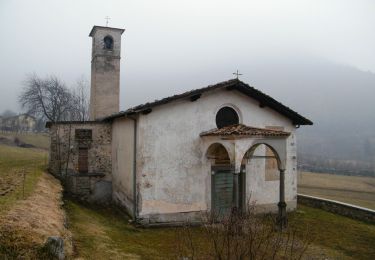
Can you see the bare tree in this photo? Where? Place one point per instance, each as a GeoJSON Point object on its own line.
{"type": "Point", "coordinates": [80, 100]}
{"type": "Point", "coordinates": [47, 97]}
{"type": "Point", "coordinates": [240, 235]}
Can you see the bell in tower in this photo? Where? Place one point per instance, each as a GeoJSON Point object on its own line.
{"type": "Point", "coordinates": [105, 71]}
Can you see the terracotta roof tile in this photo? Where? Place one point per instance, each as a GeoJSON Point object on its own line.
{"type": "Point", "coordinates": [243, 130]}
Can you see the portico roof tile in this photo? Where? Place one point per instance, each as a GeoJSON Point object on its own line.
{"type": "Point", "coordinates": [243, 130]}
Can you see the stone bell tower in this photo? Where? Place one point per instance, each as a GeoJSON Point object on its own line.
{"type": "Point", "coordinates": [105, 71]}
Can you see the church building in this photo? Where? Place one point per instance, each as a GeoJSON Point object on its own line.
{"type": "Point", "coordinates": [210, 149]}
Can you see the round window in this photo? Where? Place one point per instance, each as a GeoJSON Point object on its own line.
{"type": "Point", "coordinates": [226, 116]}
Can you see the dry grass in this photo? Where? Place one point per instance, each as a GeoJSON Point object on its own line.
{"type": "Point", "coordinates": [30, 206]}
{"type": "Point", "coordinates": [39, 140]}
{"type": "Point", "coordinates": [35, 219]}
{"type": "Point", "coordinates": [350, 189]}
{"type": "Point", "coordinates": [20, 169]}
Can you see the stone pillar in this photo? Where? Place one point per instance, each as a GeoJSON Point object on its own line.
{"type": "Point", "coordinates": [237, 156]}
{"type": "Point", "coordinates": [282, 218]}
{"type": "Point", "coordinates": [236, 190]}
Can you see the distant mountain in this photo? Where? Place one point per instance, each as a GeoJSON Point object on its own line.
{"type": "Point", "coordinates": [340, 100]}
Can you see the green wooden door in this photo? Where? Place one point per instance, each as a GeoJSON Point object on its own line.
{"type": "Point", "coordinates": [222, 191]}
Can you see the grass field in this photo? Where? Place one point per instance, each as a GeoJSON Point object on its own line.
{"type": "Point", "coordinates": [20, 169]}
{"type": "Point", "coordinates": [350, 189]}
{"type": "Point", "coordinates": [30, 205]}
{"type": "Point", "coordinates": [100, 233]}
{"type": "Point", "coordinates": [38, 140]}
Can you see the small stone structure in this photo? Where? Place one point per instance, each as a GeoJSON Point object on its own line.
{"type": "Point", "coordinates": [337, 207]}
{"type": "Point", "coordinates": [80, 155]}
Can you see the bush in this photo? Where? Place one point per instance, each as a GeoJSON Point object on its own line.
{"type": "Point", "coordinates": [239, 235]}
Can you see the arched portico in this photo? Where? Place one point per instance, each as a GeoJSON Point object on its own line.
{"type": "Point", "coordinates": [241, 142]}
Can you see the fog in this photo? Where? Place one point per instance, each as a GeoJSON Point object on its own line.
{"type": "Point", "coordinates": [318, 57]}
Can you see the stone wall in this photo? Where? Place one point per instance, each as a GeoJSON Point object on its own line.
{"type": "Point", "coordinates": [66, 139]}
{"type": "Point", "coordinates": [337, 207]}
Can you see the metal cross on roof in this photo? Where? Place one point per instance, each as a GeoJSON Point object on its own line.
{"type": "Point", "coordinates": [107, 20]}
{"type": "Point", "coordinates": [237, 74]}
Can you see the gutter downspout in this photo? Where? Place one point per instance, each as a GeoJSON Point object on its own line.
{"type": "Point", "coordinates": [135, 199]}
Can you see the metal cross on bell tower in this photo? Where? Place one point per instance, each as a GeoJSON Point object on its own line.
{"type": "Point", "coordinates": [237, 74]}
{"type": "Point", "coordinates": [107, 20]}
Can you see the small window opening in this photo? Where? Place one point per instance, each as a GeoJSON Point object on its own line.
{"type": "Point", "coordinates": [226, 116]}
{"type": "Point", "coordinates": [108, 43]}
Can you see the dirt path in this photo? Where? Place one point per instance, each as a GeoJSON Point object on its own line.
{"type": "Point", "coordinates": [28, 223]}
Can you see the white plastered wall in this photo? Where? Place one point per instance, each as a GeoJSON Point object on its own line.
{"type": "Point", "coordinates": [122, 162]}
{"type": "Point", "coordinates": [172, 172]}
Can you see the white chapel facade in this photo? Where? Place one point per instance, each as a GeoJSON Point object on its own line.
{"type": "Point", "coordinates": [210, 149]}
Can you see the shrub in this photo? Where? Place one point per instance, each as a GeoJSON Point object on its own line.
{"type": "Point", "coordinates": [237, 235]}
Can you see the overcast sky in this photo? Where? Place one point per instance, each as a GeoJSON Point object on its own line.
{"type": "Point", "coordinates": [173, 46]}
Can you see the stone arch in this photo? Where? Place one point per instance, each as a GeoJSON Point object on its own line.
{"type": "Point", "coordinates": [218, 154]}
{"type": "Point", "coordinates": [276, 146]}
{"type": "Point", "coordinates": [206, 148]}
{"type": "Point", "coordinates": [249, 152]}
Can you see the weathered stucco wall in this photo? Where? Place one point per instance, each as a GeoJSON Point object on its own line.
{"type": "Point", "coordinates": [172, 172]}
{"type": "Point", "coordinates": [122, 162]}
{"type": "Point", "coordinates": [95, 185]}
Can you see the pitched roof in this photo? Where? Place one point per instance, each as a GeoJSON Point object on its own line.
{"type": "Point", "coordinates": [243, 130]}
{"type": "Point", "coordinates": [96, 27]}
{"type": "Point", "coordinates": [233, 84]}
{"type": "Point", "coordinates": [50, 123]}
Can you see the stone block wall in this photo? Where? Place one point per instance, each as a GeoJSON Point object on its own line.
{"type": "Point", "coordinates": [337, 207]}
{"type": "Point", "coordinates": [66, 140]}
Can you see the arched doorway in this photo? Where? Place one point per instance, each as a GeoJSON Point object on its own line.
{"type": "Point", "coordinates": [222, 179]}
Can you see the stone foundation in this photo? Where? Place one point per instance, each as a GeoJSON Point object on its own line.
{"type": "Point", "coordinates": [196, 217]}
